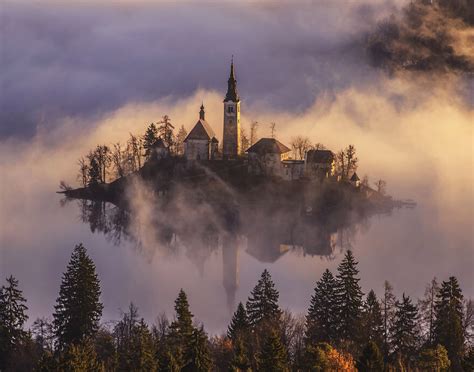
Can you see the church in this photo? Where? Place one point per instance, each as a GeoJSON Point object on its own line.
{"type": "Point", "coordinates": [201, 142]}
{"type": "Point", "coordinates": [266, 157]}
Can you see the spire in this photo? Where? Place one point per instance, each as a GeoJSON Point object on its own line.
{"type": "Point", "coordinates": [201, 113]}
{"type": "Point", "coordinates": [232, 94]}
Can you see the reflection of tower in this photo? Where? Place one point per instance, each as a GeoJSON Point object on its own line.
{"type": "Point", "coordinates": [230, 265]}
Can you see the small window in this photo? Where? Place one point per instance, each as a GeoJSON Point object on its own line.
{"type": "Point", "coordinates": [230, 109]}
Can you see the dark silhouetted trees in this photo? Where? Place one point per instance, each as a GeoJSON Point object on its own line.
{"type": "Point", "coordinates": [78, 308]}
{"type": "Point", "coordinates": [239, 325]}
{"type": "Point", "coordinates": [263, 301]}
{"type": "Point", "coordinates": [371, 359]}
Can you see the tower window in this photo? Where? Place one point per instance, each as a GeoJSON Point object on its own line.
{"type": "Point", "coordinates": [230, 109]}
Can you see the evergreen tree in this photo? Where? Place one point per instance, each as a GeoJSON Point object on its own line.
{"type": "Point", "coordinates": [12, 319]}
{"type": "Point", "coordinates": [78, 309]}
{"type": "Point", "coordinates": [240, 361]}
{"type": "Point", "coordinates": [349, 299]}
{"type": "Point", "coordinates": [239, 324]}
{"type": "Point", "coordinates": [273, 357]}
{"type": "Point", "coordinates": [372, 320]}
{"type": "Point", "coordinates": [181, 136]}
{"type": "Point", "coordinates": [199, 354]}
{"type": "Point", "coordinates": [149, 139]}
{"type": "Point", "coordinates": [165, 131]}
{"type": "Point", "coordinates": [448, 329]}
{"type": "Point", "coordinates": [181, 331]}
{"type": "Point", "coordinates": [134, 343]}
{"type": "Point", "coordinates": [405, 331]}
{"type": "Point", "coordinates": [80, 357]}
{"type": "Point", "coordinates": [371, 359]}
{"type": "Point", "coordinates": [321, 321]}
{"type": "Point", "coordinates": [263, 301]}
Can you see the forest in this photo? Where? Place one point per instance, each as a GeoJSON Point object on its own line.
{"type": "Point", "coordinates": [342, 330]}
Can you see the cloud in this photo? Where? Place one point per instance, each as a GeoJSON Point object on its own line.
{"type": "Point", "coordinates": [84, 59]}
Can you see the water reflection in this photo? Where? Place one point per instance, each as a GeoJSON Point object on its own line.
{"type": "Point", "coordinates": [265, 237]}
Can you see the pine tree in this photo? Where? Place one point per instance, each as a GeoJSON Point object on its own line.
{"type": "Point", "coordinates": [78, 308]}
{"type": "Point", "coordinates": [12, 319]}
{"type": "Point", "coordinates": [371, 359]}
{"type": "Point", "coordinates": [199, 354]}
{"type": "Point", "coordinates": [149, 139]}
{"type": "Point", "coordinates": [263, 301]}
{"type": "Point", "coordinates": [165, 131]}
{"type": "Point", "coordinates": [349, 298]}
{"type": "Point", "coordinates": [273, 357]}
{"type": "Point", "coordinates": [180, 137]}
{"type": "Point", "coordinates": [80, 357]}
{"type": "Point", "coordinates": [320, 321]}
{"type": "Point", "coordinates": [239, 324]}
{"type": "Point", "coordinates": [434, 359]}
{"type": "Point", "coordinates": [372, 320]}
{"type": "Point", "coordinates": [181, 331]}
{"type": "Point", "coordinates": [448, 329]}
{"type": "Point", "coordinates": [94, 176]}
{"type": "Point", "coordinates": [404, 331]}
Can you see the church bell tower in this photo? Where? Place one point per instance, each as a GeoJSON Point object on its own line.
{"type": "Point", "coordinates": [231, 134]}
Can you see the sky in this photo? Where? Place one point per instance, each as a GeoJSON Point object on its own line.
{"type": "Point", "coordinates": [78, 74]}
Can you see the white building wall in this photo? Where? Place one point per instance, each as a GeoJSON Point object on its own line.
{"type": "Point", "coordinates": [196, 149]}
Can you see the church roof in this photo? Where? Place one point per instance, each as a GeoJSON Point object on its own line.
{"type": "Point", "coordinates": [319, 156]}
{"type": "Point", "coordinates": [268, 146]}
{"type": "Point", "coordinates": [202, 130]}
{"type": "Point", "coordinates": [232, 93]}
{"type": "Point", "coordinates": [355, 177]}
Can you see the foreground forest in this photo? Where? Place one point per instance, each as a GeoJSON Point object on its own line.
{"type": "Point", "coordinates": [343, 330]}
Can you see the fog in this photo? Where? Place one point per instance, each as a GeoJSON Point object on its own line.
{"type": "Point", "coordinates": [97, 73]}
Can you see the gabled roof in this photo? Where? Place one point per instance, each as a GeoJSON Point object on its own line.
{"type": "Point", "coordinates": [268, 146]}
{"type": "Point", "coordinates": [355, 177]}
{"type": "Point", "coordinates": [202, 130]}
{"type": "Point", "coordinates": [319, 156]}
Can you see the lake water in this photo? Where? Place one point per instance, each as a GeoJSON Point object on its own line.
{"type": "Point", "coordinates": [407, 248]}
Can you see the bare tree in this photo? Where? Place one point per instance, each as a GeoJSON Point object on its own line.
{"type": "Point", "coordinates": [83, 175]}
{"type": "Point", "coordinates": [341, 168]}
{"type": "Point", "coordinates": [118, 160]}
{"type": "Point", "coordinates": [253, 132]}
{"type": "Point", "coordinates": [134, 152]}
{"type": "Point", "coordinates": [272, 129]}
{"type": "Point", "coordinates": [165, 131]}
{"type": "Point", "coordinates": [318, 146]}
{"type": "Point", "coordinates": [244, 140]}
{"type": "Point", "coordinates": [351, 160]}
{"type": "Point", "coordinates": [381, 186]}
{"type": "Point", "coordinates": [181, 136]}
{"type": "Point", "coordinates": [468, 321]}
{"type": "Point", "coordinates": [427, 309]}
{"type": "Point", "coordinates": [300, 146]}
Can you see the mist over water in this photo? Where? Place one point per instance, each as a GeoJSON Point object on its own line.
{"type": "Point", "coordinates": [414, 131]}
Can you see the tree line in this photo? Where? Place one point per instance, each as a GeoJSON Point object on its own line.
{"type": "Point", "coordinates": [343, 330]}
{"type": "Point", "coordinates": [106, 163]}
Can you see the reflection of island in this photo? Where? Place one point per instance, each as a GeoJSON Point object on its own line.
{"type": "Point", "coordinates": [205, 226]}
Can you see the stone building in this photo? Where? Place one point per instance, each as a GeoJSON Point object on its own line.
{"type": "Point", "coordinates": [292, 169]}
{"type": "Point", "coordinates": [201, 143]}
{"type": "Point", "coordinates": [231, 144]}
{"type": "Point", "coordinates": [319, 164]}
{"type": "Point", "coordinates": [265, 157]}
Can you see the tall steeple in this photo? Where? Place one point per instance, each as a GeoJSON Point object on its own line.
{"type": "Point", "coordinates": [231, 141]}
{"type": "Point", "coordinates": [232, 93]}
{"type": "Point", "coordinates": [202, 113]}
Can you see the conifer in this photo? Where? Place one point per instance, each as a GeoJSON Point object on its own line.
{"type": "Point", "coordinates": [372, 320]}
{"type": "Point", "coordinates": [240, 361]}
{"type": "Point", "coordinates": [273, 357]}
{"type": "Point", "coordinates": [199, 355]}
{"type": "Point", "coordinates": [349, 299]}
{"type": "Point", "coordinates": [404, 331]}
{"type": "Point", "coordinates": [321, 321]}
{"type": "Point", "coordinates": [239, 324]}
{"type": "Point", "coordinates": [371, 359]}
{"type": "Point", "coordinates": [448, 328]}
{"type": "Point", "coordinates": [78, 308]}
{"type": "Point", "coordinates": [263, 301]}
{"type": "Point", "coordinates": [149, 139]}
{"type": "Point", "coordinates": [12, 319]}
